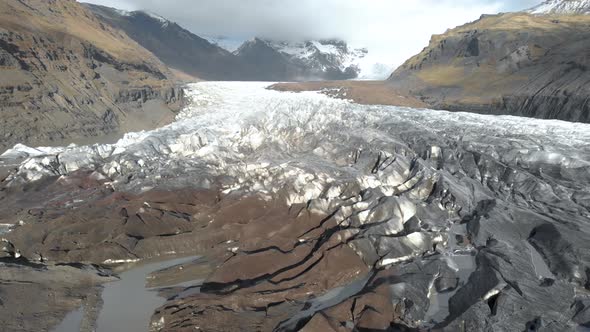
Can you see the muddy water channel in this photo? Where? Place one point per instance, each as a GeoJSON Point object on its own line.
{"type": "Point", "coordinates": [129, 302]}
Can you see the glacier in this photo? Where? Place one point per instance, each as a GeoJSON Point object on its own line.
{"type": "Point", "coordinates": [243, 129]}
{"type": "Point", "coordinates": [488, 201]}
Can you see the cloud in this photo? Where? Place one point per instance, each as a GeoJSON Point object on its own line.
{"type": "Point", "coordinates": [393, 30]}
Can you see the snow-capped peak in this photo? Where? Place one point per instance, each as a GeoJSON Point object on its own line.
{"type": "Point", "coordinates": [157, 17]}
{"type": "Point", "coordinates": [163, 21]}
{"type": "Point", "coordinates": [321, 54]}
{"type": "Point", "coordinates": [252, 43]}
{"type": "Point", "coordinates": [123, 12]}
{"type": "Point", "coordinates": [562, 7]}
{"type": "Point", "coordinates": [307, 49]}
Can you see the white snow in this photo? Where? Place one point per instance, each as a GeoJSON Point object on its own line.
{"type": "Point", "coordinates": [369, 66]}
{"type": "Point", "coordinates": [157, 17]}
{"type": "Point", "coordinates": [326, 48]}
{"type": "Point", "coordinates": [296, 49]}
{"type": "Point", "coordinates": [163, 21]}
{"type": "Point", "coordinates": [123, 12]}
{"type": "Point", "coordinates": [562, 7]}
{"type": "Point", "coordinates": [119, 261]}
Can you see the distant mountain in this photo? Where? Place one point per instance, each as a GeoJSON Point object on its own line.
{"type": "Point", "coordinates": [515, 63]}
{"type": "Point", "coordinates": [329, 58]}
{"type": "Point", "coordinates": [175, 46]}
{"type": "Point", "coordinates": [562, 7]}
{"type": "Point", "coordinates": [324, 58]}
{"type": "Point", "coordinates": [310, 60]}
{"type": "Point", "coordinates": [218, 58]}
{"type": "Point", "coordinates": [264, 63]}
{"type": "Point", "coordinates": [64, 75]}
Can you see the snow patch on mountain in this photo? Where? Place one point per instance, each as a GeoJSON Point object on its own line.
{"type": "Point", "coordinates": [563, 7]}
{"type": "Point", "coordinates": [163, 21]}
{"type": "Point", "coordinates": [123, 12]}
{"type": "Point", "coordinates": [157, 17]}
{"type": "Point", "coordinates": [322, 54]}
{"type": "Point", "coordinates": [328, 47]}
{"type": "Point", "coordinates": [338, 53]}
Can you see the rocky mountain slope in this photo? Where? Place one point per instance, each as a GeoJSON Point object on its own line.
{"type": "Point", "coordinates": [515, 63]}
{"type": "Point", "coordinates": [309, 60]}
{"type": "Point", "coordinates": [175, 46]}
{"type": "Point", "coordinates": [67, 76]}
{"type": "Point", "coordinates": [255, 60]}
{"type": "Point", "coordinates": [331, 59]}
{"type": "Point", "coordinates": [264, 63]}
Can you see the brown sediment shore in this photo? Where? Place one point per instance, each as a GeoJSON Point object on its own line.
{"type": "Point", "coordinates": [361, 92]}
{"type": "Point", "coordinates": [37, 297]}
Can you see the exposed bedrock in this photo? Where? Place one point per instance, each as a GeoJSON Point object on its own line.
{"type": "Point", "coordinates": [326, 215]}
{"type": "Point", "coordinates": [66, 77]}
{"type": "Point", "coordinates": [489, 66]}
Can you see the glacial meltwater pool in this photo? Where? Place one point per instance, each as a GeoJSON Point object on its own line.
{"type": "Point", "coordinates": [128, 303]}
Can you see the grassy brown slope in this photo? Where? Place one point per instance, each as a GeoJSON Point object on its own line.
{"type": "Point", "coordinates": [65, 76]}
{"type": "Point", "coordinates": [509, 64]}
{"type": "Point", "coordinates": [361, 92]}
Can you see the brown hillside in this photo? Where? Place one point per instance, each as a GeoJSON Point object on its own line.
{"type": "Point", "coordinates": [509, 64]}
{"type": "Point", "coordinates": [67, 76]}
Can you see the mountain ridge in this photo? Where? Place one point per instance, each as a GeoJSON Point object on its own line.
{"type": "Point", "coordinates": [202, 57]}
{"type": "Point", "coordinates": [513, 63]}
{"type": "Point", "coordinates": [177, 47]}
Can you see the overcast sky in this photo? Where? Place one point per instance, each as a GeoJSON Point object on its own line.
{"type": "Point", "coordinates": [393, 30]}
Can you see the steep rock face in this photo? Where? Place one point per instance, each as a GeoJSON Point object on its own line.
{"type": "Point", "coordinates": [517, 64]}
{"type": "Point", "coordinates": [266, 64]}
{"type": "Point", "coordinates": [67, 76]}
{"type": "Point", "coordinates": [175, 46]}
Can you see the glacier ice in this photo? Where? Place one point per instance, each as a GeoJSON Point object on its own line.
{"type": "Point", "coordinates": [406, 184]}
{"type": "Point", "coordinates": [312, 146]}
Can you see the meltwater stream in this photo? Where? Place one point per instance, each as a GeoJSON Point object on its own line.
{"type": "Point", "coordinates": [127, 304]}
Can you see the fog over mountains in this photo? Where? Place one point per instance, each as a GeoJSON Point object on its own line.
{"type": "Point", "coordinates": [388, 29]}
{"type": "Point", "coordinates": [255, 59]}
